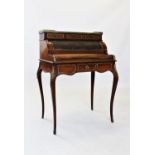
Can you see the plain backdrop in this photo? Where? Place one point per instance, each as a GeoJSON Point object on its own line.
{"type": "Point", "coordinates": [80, 131]}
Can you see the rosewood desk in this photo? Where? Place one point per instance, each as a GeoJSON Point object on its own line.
{"type": "Point", "coordinates": [72, 52]}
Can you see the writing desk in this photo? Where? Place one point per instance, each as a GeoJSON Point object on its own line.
{"type": "Point", "coordinates": [72, 52]}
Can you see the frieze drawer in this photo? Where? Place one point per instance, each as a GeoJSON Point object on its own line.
{"type": "Point", "coordinates": [102, 67]}
{"type": "Point", "coordinates": [66, 69]}
{"type": "Point", "coordinates": [86, 67]}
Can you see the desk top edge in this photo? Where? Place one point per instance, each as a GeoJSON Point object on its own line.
{"type": "Point", "coordinates": [63, 62]}
{"type": "Point", "coordinates": [70, 32]}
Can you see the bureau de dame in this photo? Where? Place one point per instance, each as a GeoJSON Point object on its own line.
{"type": "Point", "coordinates": [68, 53]}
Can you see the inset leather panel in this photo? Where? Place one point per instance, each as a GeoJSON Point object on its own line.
{"type": "Point", "coordinates": [76, 45]}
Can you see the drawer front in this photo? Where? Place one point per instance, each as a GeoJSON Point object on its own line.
{"type": "Point", "coordinates": [73, 68]}
{"type": "Point", "coordinates": [86, 67]}
{"type": "Point", "coordinates": [103, 67]}
{"type": "Point", "coordinates": [66, 69]}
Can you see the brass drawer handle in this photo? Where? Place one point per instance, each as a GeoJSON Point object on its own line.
{"type": "Point", "coordinates": [86, 67]}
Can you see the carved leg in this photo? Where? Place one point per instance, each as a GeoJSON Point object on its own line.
{"type": "Point", "coordinates": [41, 89]}
{"type": "Point", "coordinates": [53, 93]}
{"type": "Point", "coordinates": [92, 89]}
{"type": "Point", "coordinates": [115, 81]}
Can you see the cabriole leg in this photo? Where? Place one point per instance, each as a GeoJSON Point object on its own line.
{"type": "Point", "coordinates": [115, 81]}
{"type": "Point", "coordinates": [92, 89]}
{"type": "Point", "coordinates": [53, 93]}
{"type": "Point", "coordinates": [41, 89]}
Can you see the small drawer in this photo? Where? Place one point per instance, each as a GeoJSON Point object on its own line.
{"type": "Point", "coordinates": [102, 67]}
{"type": "Point", "coordinates": [66, 69]}
{"type": "Point", "coordinates": [86, 67]}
